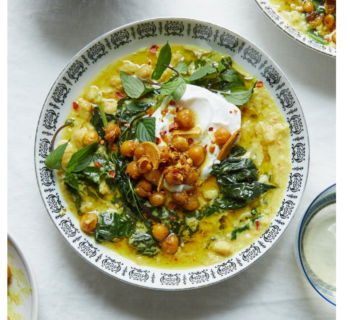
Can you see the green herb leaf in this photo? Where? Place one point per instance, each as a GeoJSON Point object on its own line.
{"type": "Point", "coordinates": [182, 67]}
{"type": "Point", "coordinates": [133, 87]}
{"type": "Point", "coordinates": [145, 244]}
{"type": "Point", "coordinates": [75, 195]}
{"type": "Point", "coordinates": [202, 72]}
{"type": "Point", "coordinates": [82, 158]}
{"type": "Point", "coordinates": [163, 58]}
{"type": "Point", "coordinates": [54, 159]}
{"type": "Point", "coordinates": [238, 230]}
{"type": "Point", "coordinates": [146, 130]}
{"type": "Point", "coordinates": [313, 34]}
{"type": "Point", "coordinates": [180, 90]}
{"type": "Point", "coordinates": [73, 180]}
{"type": "Point", "coordinates": [230, 75]}
{"type": "Point", "coordinates": [97, 122]}
{"type": "Point", "coordinates": [239, 98]}
{"type": "Point", "coordinates": [133, 106]}
{"type": "Point", "coordinates": [170, 87]}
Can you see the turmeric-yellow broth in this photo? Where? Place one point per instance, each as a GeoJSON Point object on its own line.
{"type": "Point", "coordinates": [204, 240]}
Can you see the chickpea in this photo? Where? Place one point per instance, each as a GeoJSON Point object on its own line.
{"type": "Point", "coordinates": [222, 135]}
{"type": "Point", "coordinates": [164, 153]}
{"type": "Point", "coordinates": [334, 37]}
{"type": "Point", "coordinates": [197, 155]}
{"type": "Point", "coordinates": [192, 176]}
{"type": "Point", "coordinates": [132, 170]}
{"type": "Point", "coordinates": [88, 222]}
{"type": "Point", "coordinates": [329, 21]}
{"type": "Point", "coordinates": [192, 204]}
{"type": "Point", "coordinates": [112, 132]}
{"type": "Point", "coordinates": [170, 244]}
{"type": "Point", "coordinates": [180, 197]}
{"type": "Point", "coordinates": [139, 152]}
{"type": "Point", "coordinates": [185, 118]}
{"type": "Point", "coordinates": [180, 143]}
{"type": "Point", "coordinates": [153, 175]}
{"type": "Point", "coordinates": [144, 164]}
{"type": "Point", "coordinates": [90, 96]}
{"type": "Point", "coordinates": [8, 272]}
{"type": "Point", "coordinates": [127, 149]}
{"type": "Point", "coordinates": [143, 188]}
{"type": "Point", "coordinates": [174, 178]}
{"type": "Point", "coordinates": [157, 198]}
{"type": "Point", "coordinates": [90, 137]}
{"type": "Point", "coordinates": [145, 71]}
{"type": "Point", "coordinates": [110, 106]}
{"type": "Point", "coordinates": [160, 231]}
{"type": "Point", "coordinates": [308, 6]}
{"type": "Point", "coordinates": [116, 82]}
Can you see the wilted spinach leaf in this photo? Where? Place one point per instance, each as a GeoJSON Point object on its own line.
{"type": "Point", "coordinates": [96, 121]}
{"type": "Point", "coordinates": [144, 243]}
{"type": "Point", "coordinates": [75, 196]}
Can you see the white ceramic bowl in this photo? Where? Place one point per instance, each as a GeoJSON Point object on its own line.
{"type": "Point", "coordinates": [18, 259]}
{"type": "Point", "coordinates": [274, 16]}
{"type": "Point", "coordinates": [127, 39]}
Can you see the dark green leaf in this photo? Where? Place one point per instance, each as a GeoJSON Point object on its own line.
{"type": "Point", "coordinates": [202, 72]}
{"type": "Point", "coordinates": [146, 130]}
{"type": "Point", "coordinates": [54, 159]}
{"type": "Point", "coordinates": [133, 87]}
{"type": "Point", "coordinates": [75, 196]}
{"type": "Point", "coordinates": [239, 98]}
{"type": "Point", "coordinates": [82, 158]}
{"type": "Point", "coordinates": [145, 244]}
{"type": "Point", "coordinates": [230, 75]}
{"type": "Point", "coordinates": [133, 106]}
{"type": "Point", "coordinates": [182, 67]}
{"type": "Point", "coordinates": [73, 180]}
{"type": "Point", "coordinates": [163, 58]}
{"type": "Point", "coordinates": [97, 122]}
{"type": "Point", "coordinates": [238, 230]}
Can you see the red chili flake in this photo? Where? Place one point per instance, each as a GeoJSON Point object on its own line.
{"type": "Point", "coordinates": [260, 84]}
{"type": "Point", "coordinates": [114, 147]}
{"type": "Point", "coordinates": [212, 148]}
{"type": "Point", "coordinates": [97, 165]}
{"type": "Point", "coordinates": [118, 95]}
{"type": "Point", "coordinates": [212, 141]}
{"type": "Point", "coordinates": [171, 217]}
{"type": "Point", "coordinates": [103, 129]}
{"type": "Point", "coordinates": [101, 158]}
{"type": "Point", "coordinates": [230, 111]}
{"type": "Point", "coordinates": [162, 120]}
{"type": "Point", "coordinates": [190, 141]}
{"type": "Point", "coordinates": [211, 129]}
{"type": "Point", "coordinates": [173, 126]}
{"type": "Point", "coordinates": [75, 106]}
{"type": "Point", "coordinates": [153, 49]}
{"type": "Point", "coordinates": [175, 259]}
{"type": "Point", "coordinates": [257, 225]}
{"type": "Point", "coordinates": [177, 109]}
{"type": "Point", "coordinates": [150, 113]}
{"type": "Point", "coordinates": [144, 96]}
{"type": "Point", "coordinates": [158, 140]}
{"type": "Point", "coordinates": [171, 206]}
{"type": "Point", "coordinates": [120, 123]}
{"type": "Point", "coordinates": [127, 125]}
{"type": "Point", "coordinates": [92, 108]}
{"type": "Point", "coordinates": [205, 148]}
{"type": "Point", "coordinates": [172, 102]}
{"type": "Point", "coordinates": [112, 174]}
{"type": "Point", "coordinates": [162, 134]}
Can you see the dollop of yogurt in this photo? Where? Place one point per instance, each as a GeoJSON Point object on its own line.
{"type": "Point", "coordinates": [211, 111]}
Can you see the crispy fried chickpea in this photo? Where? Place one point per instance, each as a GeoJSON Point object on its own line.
{"type": "Point", "coordinates": [308, 6]}
{"type": "Point", "coordinates": [334, 37]}
{"type": "Point", "coordinates": [164, 153]}
{"type": "Point", "coordinates": [185, 118]}
{"type": "Point", "coordinates": [132, 170]}
{"type": "Point", "coordinates": [329, 21]}
{"type": "Point", "coordinates": [197, 155]}
{"type": "Point", "coordinates": [222, 135]}
{"type": "Point", "coordinates": [112, 132]}
{"type": "Point", "coordinates": [157, 198]}
{"type": "Point", "coordinates": [88, 222]}
{"type": "Point", "coordinates": [180, 197]}
{"type": "Point", "coordinates": [144, 164]}
{"type": "Point", "coordinates": [160, 231]}
{"type": "Point", "coordinates": [152, 175]}
{"type": "Point", "coordinates": [174, 178]}
{"type": "Point", "coordinates": [143, 188]}
{"type": "Point", "coordinates": [192, 204]}
{"type": "Point", "coordinates": [180, 143]}
{"type": "Point", "coordinates": [170, 244]}
{"type": "Point", "coordinates": [139, 151]}
{"type": "Point", "coordinates": [145, 71]}
{"type": "Point", "coordinates": [127, 149]}
{"type": "Point", "coordinates": [192, 176]}
{"type": "Point", "coordinates": [8, 272]}
{"type": "Point", "coordinates": [90, 137]}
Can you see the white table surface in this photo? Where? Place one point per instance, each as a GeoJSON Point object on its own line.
{"type": "Point", "coordinates": [43, 36]}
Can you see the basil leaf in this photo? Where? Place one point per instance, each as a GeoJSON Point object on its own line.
{"type": "Point", "coordinates": [202, 72]}
{"type": "Point", "coordinates": [54, 159]}
{"type": "Point", "coordinates": [146, 130]}
{"type": "Point", "coordinates": [170, 87]}
{"type": "Point", "coordinates": [180, 91]}
{"type": "Point", "coordinates": [239, 98]}
{"type": "Point", "coordinates": [73, 180]}
{"type": "Point", "coordinates": [163, 58]}
{"type": "Point", "coordinates": [82, 158]}
{"type": "Point", "coordinates": [230, 75]}
{"type": "Point", "coordinates": [181, 67]}
{"type": "Point", "coordinates": [221, 67]}
{"type": "Point", "coordinates": [133, 87]}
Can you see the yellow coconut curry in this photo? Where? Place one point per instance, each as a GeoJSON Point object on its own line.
{"type": "Point", "coordinates": [316, 18]}
{"type": "Point", "coordinates": [174, 157]}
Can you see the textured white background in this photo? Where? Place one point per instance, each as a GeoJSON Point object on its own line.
{"type": "Point", "coordinates": [43, 37]}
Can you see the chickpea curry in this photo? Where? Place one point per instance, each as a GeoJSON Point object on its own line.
{"type": "Point", "coordinates": [316, 18]}
{"type": "Point", "coordinates": [174, 157]}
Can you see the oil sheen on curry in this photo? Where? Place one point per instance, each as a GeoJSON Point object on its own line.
{"type": "Point", "coordinates": [174, 157]}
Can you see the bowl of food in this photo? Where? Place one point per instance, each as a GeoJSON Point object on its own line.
{"type": "Point", "coordinates": [312, 23]}
{"type": "Point", "coordinates": [22, 291]}
{"type": "Point", "coordinates": [171, 153]}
